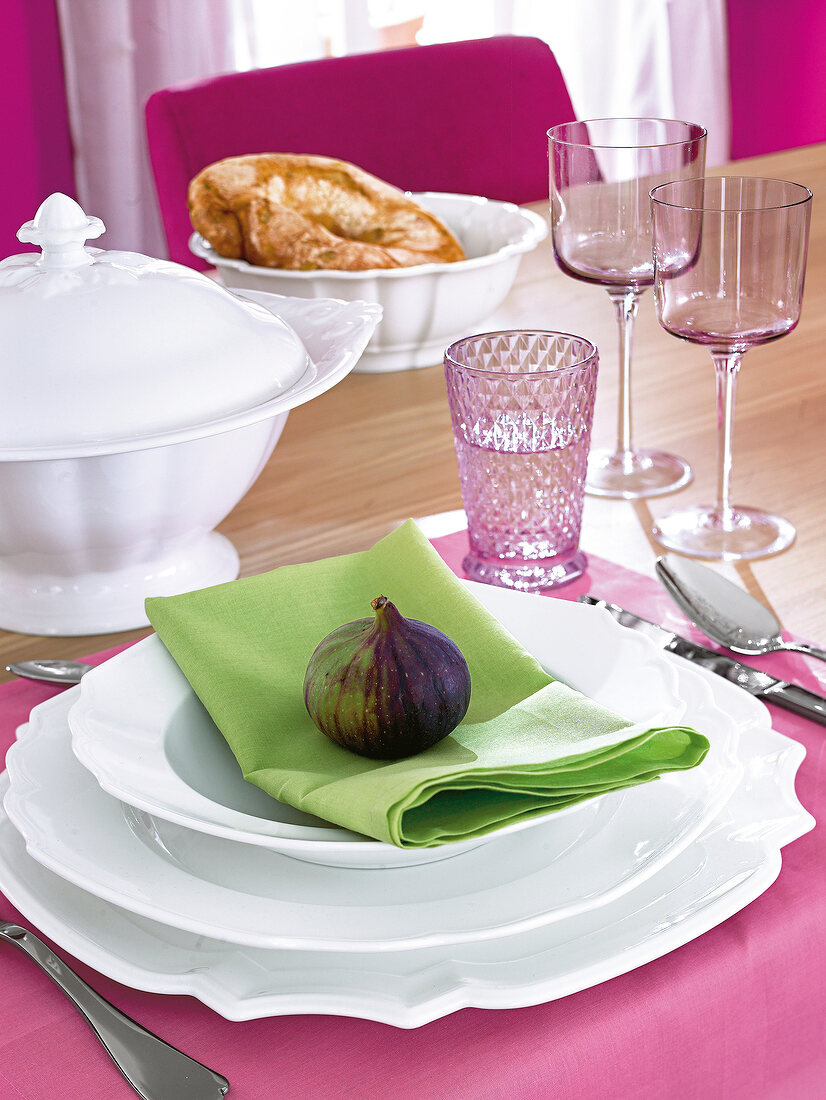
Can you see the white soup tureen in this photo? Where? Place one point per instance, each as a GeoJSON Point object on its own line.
{"type": "Point", "coordinates": [140, 400]}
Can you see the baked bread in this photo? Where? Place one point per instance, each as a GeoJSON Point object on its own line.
{"type": "Point", "coordinates": [308, 213]}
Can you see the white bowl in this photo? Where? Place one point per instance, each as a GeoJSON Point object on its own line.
{"type": "Point", "coordinates": [88, 530]}
{"type": "Point", "coordinates": [426, 307]}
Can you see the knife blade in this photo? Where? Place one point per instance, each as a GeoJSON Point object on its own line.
{"type": "Point", "coordinates": [769, 688]}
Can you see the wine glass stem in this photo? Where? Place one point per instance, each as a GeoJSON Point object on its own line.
{"type": "Point", "coordinates": [726, 366]}
{"type": "Point", "coordinates": [625, 305]}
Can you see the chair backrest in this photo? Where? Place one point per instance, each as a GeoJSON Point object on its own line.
{"type": "Point", "coordinates": [468, 117]}
{"type": "Point", "coordinates": [777, 74]}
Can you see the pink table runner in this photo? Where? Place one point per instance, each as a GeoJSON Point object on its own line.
{"type": "Point", "coordinates": [738, 1014]}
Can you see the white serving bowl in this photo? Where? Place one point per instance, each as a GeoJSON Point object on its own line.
{"type": "Point", "coordinates": [427, 307]}
{"type": "Point", "coordinates": [141, 401]}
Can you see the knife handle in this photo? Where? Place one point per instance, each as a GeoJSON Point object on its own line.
{"type": "Point", "coordinates": [155, 1069]}
{"type": "Point", "coordinates": [798, 700]}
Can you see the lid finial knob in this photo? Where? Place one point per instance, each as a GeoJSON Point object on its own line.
{"type": "Point", "coordinates": [60, 227]}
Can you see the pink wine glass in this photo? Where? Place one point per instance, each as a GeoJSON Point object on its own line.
{"type": "Point", "coordinates": [729, 266]}
{"type": "Point", "coordinates": [601, 176]}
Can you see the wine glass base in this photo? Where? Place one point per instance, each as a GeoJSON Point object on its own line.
{"type": "Point", "coordinates": [629, 475]}
{"type": "Point", "coordinates": [704, 532]}
{"type": "Point", "coordinates": [523, 574]}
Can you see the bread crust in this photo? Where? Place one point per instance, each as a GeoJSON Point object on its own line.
{"type": "Point", "coordinates": [307, 213]}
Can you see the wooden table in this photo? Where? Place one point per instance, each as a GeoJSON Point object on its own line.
{"type": "Point", "coordinates": [378, 448]}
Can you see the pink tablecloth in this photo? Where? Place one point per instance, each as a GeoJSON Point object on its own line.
{"type": "Point", "coordinates": [739, 1014]}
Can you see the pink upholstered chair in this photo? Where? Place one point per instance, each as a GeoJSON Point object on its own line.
{"type": "Point", "coordinates": [466, 116]}
{"type": "Point", "coordinates": [777, 74]}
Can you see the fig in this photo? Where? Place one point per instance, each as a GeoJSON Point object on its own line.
{"type": "Point", "coordinates": [387, 687]}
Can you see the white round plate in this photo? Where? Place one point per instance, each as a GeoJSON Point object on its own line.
{"type": "Point", "coordinates": [733, 861]}
{"type": "Point", "coordinates": [160, 751]}
{"type": "Point", "coordinates": [247, 895]}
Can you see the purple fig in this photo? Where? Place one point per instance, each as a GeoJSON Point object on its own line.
{"type": "Point", "coordinates": [387, 687]}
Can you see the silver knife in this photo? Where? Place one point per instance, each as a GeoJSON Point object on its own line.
{"type": "Point", "coordinates": [768, 688]}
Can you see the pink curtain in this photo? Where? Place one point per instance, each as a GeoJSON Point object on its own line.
{"type": "Point", "coordinates": [35, 153]}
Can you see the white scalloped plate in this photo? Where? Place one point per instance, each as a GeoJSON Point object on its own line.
{"type": "Point", "coordinates": [427, 306]}
{"type": "Point", "coordinates": [160, 751]}
{"type": "Point", "coordinates": [489, 230]}
{"type": "Point", "coordinates": [243, 894]}
{"type": "Point", "coordinates": [735, 858]}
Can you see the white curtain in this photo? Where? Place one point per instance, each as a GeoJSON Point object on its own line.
{"type": "Point", "coordinates": [633, 58]}
{"type": "Point", "coordinates": [664, 58]}
{"type": "Point", "coordinates": [640, 59]}
{"type": "Point", "coordinates": [116, 53]}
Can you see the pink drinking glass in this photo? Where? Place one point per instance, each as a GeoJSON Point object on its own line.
{"type": "Point", "coordinates": [601, 175]}
{"type": "Point", "coordinates": [522, 404]}
{"type": "Point", "coordinates": [729, 267]}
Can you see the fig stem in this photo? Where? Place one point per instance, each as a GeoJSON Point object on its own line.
{"type": "Point", "coordinates": [388, 616]}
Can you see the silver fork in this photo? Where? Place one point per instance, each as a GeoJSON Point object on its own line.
{"type": "Point", "coordinates": [154, 1069]}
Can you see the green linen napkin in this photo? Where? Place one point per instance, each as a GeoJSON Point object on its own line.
{"type": "Point", "coordinates": [528, 744]}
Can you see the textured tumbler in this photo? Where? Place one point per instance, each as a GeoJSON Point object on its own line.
{"type": "Point", "coordinates": [522, 404]}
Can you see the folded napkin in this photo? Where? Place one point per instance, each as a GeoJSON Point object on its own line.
{"type": "Point", "coordinates": [527, 745]}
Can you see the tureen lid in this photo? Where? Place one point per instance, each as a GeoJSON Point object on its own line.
{"type": "Point", "coordinates": [102, 345]}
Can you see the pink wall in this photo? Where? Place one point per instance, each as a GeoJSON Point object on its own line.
{"type": "Point", "coordinates": [777, 69]}
{"type": "Point", "coordinates": [35, 147]}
